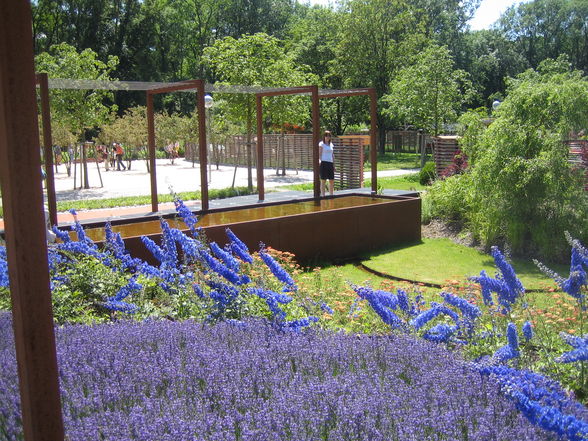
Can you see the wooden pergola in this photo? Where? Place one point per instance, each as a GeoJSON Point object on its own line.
{"type": "Point", "coordinates": [201, 88]}
{"type": "Point", "coordinates": [22, 197]}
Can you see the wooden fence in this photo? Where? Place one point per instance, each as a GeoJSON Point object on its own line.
{"type": "Point", "coordinates": [288, 151]}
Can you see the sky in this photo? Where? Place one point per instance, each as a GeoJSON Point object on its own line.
{"type": "Point", "coordinates": [488, 12]}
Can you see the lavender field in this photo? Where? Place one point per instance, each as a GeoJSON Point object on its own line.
{"type": "Point", "coordinates": [224, 344]}
{"type": "Point", "coordinates": [163, 380]}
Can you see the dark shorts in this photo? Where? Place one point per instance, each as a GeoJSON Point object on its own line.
{"type": "Point", "coordinates": [327, 170]}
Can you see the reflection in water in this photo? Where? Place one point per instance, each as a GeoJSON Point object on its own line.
{"type": "Point", "coordinates": [244, 215]}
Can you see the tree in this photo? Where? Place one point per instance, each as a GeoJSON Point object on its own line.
{"type": "Point", "coordinates": [489, 58]}
{"type": "Point", "coordinates": [376, 36]}
{"type": "Point", "coordinates": [547, 28]}
{"type": "Point", "coordinates": [521, 190]}
{"type": "Point", "coordinates": [78, 110]}
{"type": "Point", "coordinates": [429, 92]}
{"type": "Point", "coordinates": [257, 60]}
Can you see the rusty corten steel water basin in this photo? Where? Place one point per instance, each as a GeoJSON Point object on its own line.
{"type": "Point", "coordinates": [332, 228]}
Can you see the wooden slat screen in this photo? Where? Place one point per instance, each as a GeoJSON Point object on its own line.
{"type": "Point", "coordinates": [576, 147]}
{"type": "Point", "coordinates": [289, 151]}
{"type": "Point", "coordinates": [444, 149]}
{"type": "Point", "coordinates": [348, 163]}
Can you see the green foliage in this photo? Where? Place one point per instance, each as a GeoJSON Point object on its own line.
{"type": "Point", "coordinates": [446, 198]}
{"type": "Point", "coordinates": [77, 110]}
{"type": "Point", "coordinates": [521, 189]}
{"type": "Point", "coordinates": [428, 92]}
{"type": "Point", "coordinates": [88, 284]}
{"type": "Point", "coordinates": [427, 174]}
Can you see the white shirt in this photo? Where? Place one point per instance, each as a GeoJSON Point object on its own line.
{"type": "Point", "coordinates": [327, 154]}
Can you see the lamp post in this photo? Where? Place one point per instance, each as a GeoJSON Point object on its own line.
{"type": "Point", "coordinates": [208, 103]}
{"type": "Point", "coordinates": [495, 105]}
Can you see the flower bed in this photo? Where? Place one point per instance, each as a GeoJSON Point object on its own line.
{"type": "Point", "coordinates": [163, 380]}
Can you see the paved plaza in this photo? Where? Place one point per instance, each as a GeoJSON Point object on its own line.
{"type": "Point", "coordinates": [181, 176]}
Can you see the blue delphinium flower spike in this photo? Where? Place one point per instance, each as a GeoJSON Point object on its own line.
{"type": "Point", "coordinates": [187, 216]}
{"type": "Point", "coordinates": [580, 345]}
{"type": "Point", "coordinates": [281, 274]}
{"type": "Point", "coordinates": [528, 330]}
{"type": "Point", "coordinates": [470, 311]}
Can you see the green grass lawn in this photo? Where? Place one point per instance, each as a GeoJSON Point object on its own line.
{"type": "Point", "coordinates": [439, 260]}
{"type": "Point", "coordinates": [395, 161]}
{"type": "Point", "coordinates": [404, 182]}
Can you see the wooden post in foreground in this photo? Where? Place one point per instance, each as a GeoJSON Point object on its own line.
{"type": "Point", "coordinates": [25, 231]}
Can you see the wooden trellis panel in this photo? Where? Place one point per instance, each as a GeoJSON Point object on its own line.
{"type": "Point", "coordinates": [444, 149]}
{"type": "Point", "coordinates": [348, 163]}
{"type": "Point", "coordinates": [576, 147]}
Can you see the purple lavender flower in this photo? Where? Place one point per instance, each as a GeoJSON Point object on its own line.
{"type": "Point", "coordinates": [253, 381]}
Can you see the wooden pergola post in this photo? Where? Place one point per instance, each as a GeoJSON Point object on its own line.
{"type": "Point", "coordinates": [203, 146]}
{"type": "Point", "coordinates": [184, 85]}
{"type": "Point", "coordinates": [43, 81]}
{"type": "Point", "coordinates": [373, 131]}
{"type": "Point", "coordinates": [316, 137]}
{"type": "Point", "coordinates": [260, 178]}
{"type": "Point", "coordinates": [25, 231]}
{"type": "Point", "coordinates": [151, 152]}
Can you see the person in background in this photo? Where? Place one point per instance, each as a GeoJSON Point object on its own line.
{"type": "Point", "coordinates": [327, 163]}
{"type": "Point", "coordinates": [119, 155]}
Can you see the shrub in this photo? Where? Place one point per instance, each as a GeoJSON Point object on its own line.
{"type": "Point", "coordinates": [522, 191]}
{"type": "Point", "coordinates": [427, 173]}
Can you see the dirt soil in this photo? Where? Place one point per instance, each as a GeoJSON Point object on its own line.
{"type": "Point", "coordinates": [438, 229]}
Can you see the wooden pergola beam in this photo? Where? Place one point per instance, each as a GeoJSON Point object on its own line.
{"type": "Point", "coordinates": [25, 231]}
